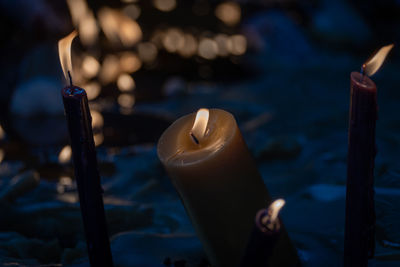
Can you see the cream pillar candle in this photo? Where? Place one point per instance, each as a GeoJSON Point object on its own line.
{"type": "Point", "coordinates": [217, 180]}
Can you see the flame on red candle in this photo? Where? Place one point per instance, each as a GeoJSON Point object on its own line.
{"type": "Point", "coordinates": [270, 220]}
{"type": "Point", "coordinates": [200, 124]}
{"type": "Point", "coordinates": [375, 62]}
{"type": "Point", "coordinates": [274, 209]}
{"type": "Point", "coordinates": [64, 52]}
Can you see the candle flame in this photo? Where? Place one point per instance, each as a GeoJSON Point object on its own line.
{"type": "Point", "coordinates": [200, 123]}
{"type": "Point", "coordinates": [274, 208]}
{"type": "Point", "coordinates": [64, 52]}
{"type": "Point", "coordinates": [372, 65]}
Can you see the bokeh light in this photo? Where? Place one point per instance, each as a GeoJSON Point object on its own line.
{"type": "Point", "coordinates": [126, 100]}
{"type": "Point", "coordinates": [238, 44]}
{"type": "Point", "coordinates": [109, 69]}
{"type": "Point", "coordinates": [90, 66]}
{"type": "Point", "coordinates": [147, 52]}
{"type": "Point", "coordinates": [173, 40]}
{"type": "Point", "coordinates": [2, 133]}
{"type": "Point", "coordinates": [165, 5]}
{"type": "Point", "coordinates": [189, 47]}
{"type": "Point", "coordinates": [92, 89]}
{"type": "Point", "coordinates": [224, 44]}
{"type": "Point", "coordinates": [97, 119]}
{"type": "Point", "coordinates": [229, 13]}
{"type": "Point", "coordinates": [125, 83]}
{"type": "Point", "coordinates": [65, 155]}
{"type": "Point", "coordinates": [132, 11]}
{"type": "Point", "coordinates": [98, 139]}
{"type": "Point", "coordinates": [208, 48]}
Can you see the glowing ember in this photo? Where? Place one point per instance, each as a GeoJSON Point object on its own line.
{"type": "Point", "coordinates": [229, 13]}
{"type": "Point", "coordinates": [92, 89]}
{"type": "Point", "coordinates": [125, 83]}
{"type": "Point", "coordinates": [147, 52]}
{"type": "Point", "coordinates": [208, 48]}
{"type": "Point", "coordinates": [372, 65]}
{"type": "Point", "coordinates": [238, 45]}
{"type": "Point", "coordinates": [90, 67]}
{"type": "Point", "coordinates": [65, 155]}
{"type": "Point", "coordinates": [97, 119]}
{"type": "Point", "coordinates": [165, 5]}
{"type": "Point", "coordinates": [132, 11]}
{"type": "Point", "coordinates": [129, 62]}
{"type": "Point", "coordinates": [64, 52]}
{"type": "Point", "coordinates": [200, 124]}
{"type": "Point", "coordinates": [126, 100]}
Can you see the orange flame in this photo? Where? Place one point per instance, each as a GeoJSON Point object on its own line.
{"type": "Point", "coordinates": [374, 63]}
{"type": "Point", "coordinates": [64, 52]}
{"type": "Point", "coordinates": [275, 207]}
{"type": "Point", "coordinates": [270, 220]}
{"type": "Point", "coordinates": [200, 124]}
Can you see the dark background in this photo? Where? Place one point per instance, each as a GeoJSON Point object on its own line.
{"type": "Point", "coordinates": [288, 88]}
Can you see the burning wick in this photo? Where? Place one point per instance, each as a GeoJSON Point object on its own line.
{"type": "Point", "coordinates": [195, 139]}
{"type": "Point", "coordinates": [70, 78]}
{"type": "Point", "coordinates": [200, 125]}
{"type": "Point", "coordinates": [372, 65]}
{"type": "Point", "coordinates": [270, 220]}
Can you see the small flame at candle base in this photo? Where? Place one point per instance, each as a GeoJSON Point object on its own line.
{"type": "Point", "coordinates": [271, 220]}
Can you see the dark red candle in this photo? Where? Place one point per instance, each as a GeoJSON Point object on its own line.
{"type": "Point", "coordinates": [85, 168]}
{"type": "Point", "coordinates": [359, 237]}
{"type": "Point", "coordinates": [269, 243]}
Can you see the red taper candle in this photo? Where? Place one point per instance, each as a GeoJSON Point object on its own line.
{"type": "Point", "coordinates": [359, 237]}
{"type": "Point", "coordinates": [85, 164]}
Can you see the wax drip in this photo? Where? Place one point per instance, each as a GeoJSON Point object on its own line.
{"type": "Point", "coordinates": [195, 138]}
{"type": "Point", "coordinates": [70, 78]}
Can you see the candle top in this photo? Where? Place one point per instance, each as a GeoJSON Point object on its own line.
{"type": "Point", "coordinates": [176, 145]}
{"type": "Point", "coordinates": [73, 91]}
{"type": "Point", "coordinates": [362, 81]}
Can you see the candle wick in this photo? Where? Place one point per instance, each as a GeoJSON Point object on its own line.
{"type": "Point", "coordinates": [362, 72]}
{"type": "Point", "coordinates": [70, 78]}
{"type": "Point", "coordinates": [195, 138]}
{"type": "Point", "coordinates": [268, 223]}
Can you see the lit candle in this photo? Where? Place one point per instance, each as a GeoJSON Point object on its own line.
{"type": "Point", "coordinates": [360, 210]}
{"type": "Point", "coordinates": [269, 244]}
{"type": "Point", "coordinates": [217, 179]}
{"type": "Point", "coordinates": [85, 163]}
